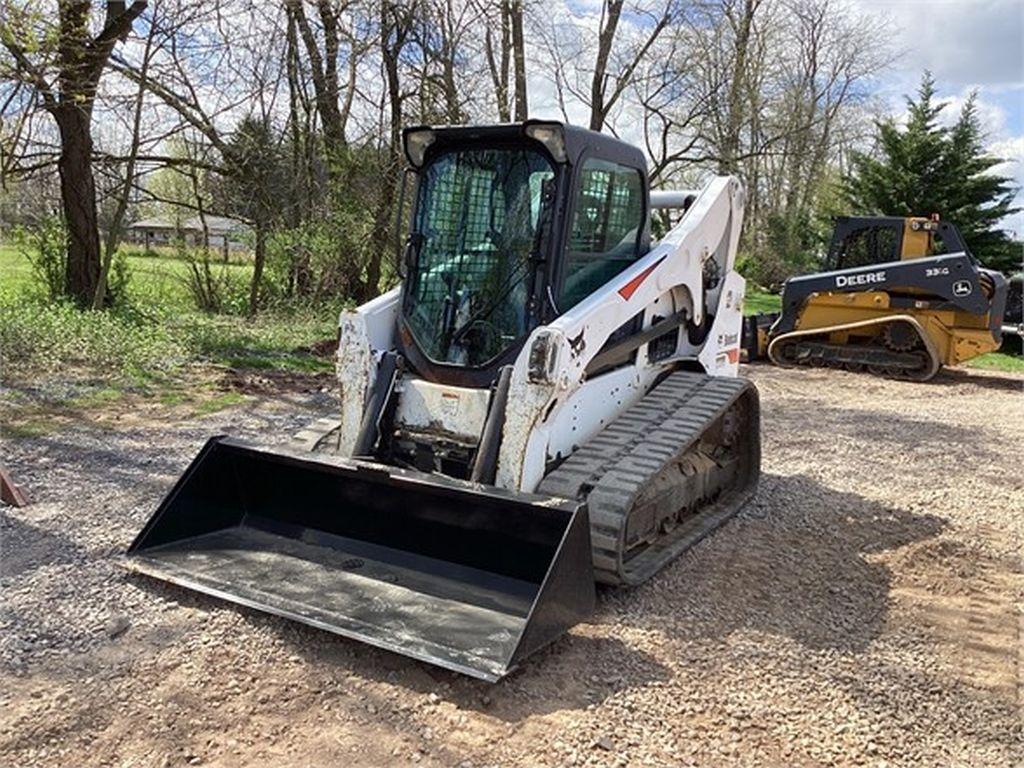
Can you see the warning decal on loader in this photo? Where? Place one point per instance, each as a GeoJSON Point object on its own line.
{"type": "Point", "coordinates": [630, 288]}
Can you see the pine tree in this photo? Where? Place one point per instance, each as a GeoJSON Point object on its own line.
{"type": "Point", "coordinates": [925, 168]}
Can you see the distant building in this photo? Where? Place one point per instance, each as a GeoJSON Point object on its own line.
{"type": "Point", "coordinates": [225, 234]}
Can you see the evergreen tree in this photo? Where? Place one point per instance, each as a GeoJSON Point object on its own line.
{"type": "Point", "coordinates": [925, 168]}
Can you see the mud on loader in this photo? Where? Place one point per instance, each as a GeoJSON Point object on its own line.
{"type": "Point", "coordinates": [547, 400]}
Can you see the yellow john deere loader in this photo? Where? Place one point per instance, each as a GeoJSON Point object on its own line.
{"type": "Point", "coordinates": [547, 400]}
{"type": "Point", "coordinates": [901, 297]}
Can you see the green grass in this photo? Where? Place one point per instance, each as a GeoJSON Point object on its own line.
{"type": "Point", "coordinates": [159, 349]}
{"type": "Point", "coordinates": [104, 395]}
{"type": "Point", "coordinates": [172, 397]}
{"type": "Point", "coordinates": [998, 361]}
{"type": "Point", "coordinates": [759, 300]}
{"type": "Point", "coordinates": [295, 363]}
{"type": "Point", "coordinates": [144, 345]}
{"type": "Point", "coordinates": [218, 403]}
{"type": "Point", "coordinates": [15, 269]}
{"type": "Point", "coordinates": [158, 274]}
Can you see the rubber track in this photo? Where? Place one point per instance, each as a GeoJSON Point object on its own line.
{"type": "Point", "coordinates": [612, 469]}
{"type": "Point", "coordinates": [858, 353]}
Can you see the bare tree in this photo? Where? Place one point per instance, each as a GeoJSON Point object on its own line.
{"type": "Point", "coordinates": [605, 88]}
{"type": "Point", "coordinates": [334, 102]}
{"type": "Point", "coordinates": [445, 82]}
{"type": "Point", "coordinates": [740, 18]}
{"type": "Point", "coordinates": [515, 13]}
{"type": "Point", "coordinates": [65, 77]}
{"type": "Point", "coordinates": [123, 195]}
{"type": "Point", "coordinates": [204, 90]}
{"type": "Point", "coordinates": [396, 24]}
{"type": "Point", "coordinates": [498, 52]}
{"type": "Point", "coordinates": [598, 73]}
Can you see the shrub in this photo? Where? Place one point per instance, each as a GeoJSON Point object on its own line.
{"type": "Point", "coordinates": [212, 285]}
{"type": "Point", "coordinates": [45, 245]}
{"type": "Point", "coordinates": [36, 336]}
{"type": "Point", "coordinates": [118, 279]}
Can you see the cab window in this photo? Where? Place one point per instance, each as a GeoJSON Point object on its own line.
{"type": "Point", "coordinates": [607, 224]}
{"type": "Point", "coordinates": [869, 245]}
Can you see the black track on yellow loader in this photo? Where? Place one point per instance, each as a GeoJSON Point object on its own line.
{"type": "Point", "coordinates": [913, 360]}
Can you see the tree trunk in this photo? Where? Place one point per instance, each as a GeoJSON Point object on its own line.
{"type": "Point", "coordinates": [78, 197]}
{"type": "Point", "coordinates": [499, 65]}
{"type": "Point", "coordinates": [735, 112]}
{"type": "Point", "coordinates": [395, 25]}
{"type": "Point", "coordinates": [519, 59]}
{"type": "Point", "coordinates": [389, 180]}
{"type": "Point", "coordinates": [323, 70]}
{"type": "Point", "coordinates": [259, 260]}
{"type": "Point", "coordinates": [114, 233]}
{"type": "Point", "coordinates": [604, 48]}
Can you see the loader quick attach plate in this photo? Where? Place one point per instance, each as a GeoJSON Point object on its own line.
{"type": "Point", "coordinates": [468, 577]}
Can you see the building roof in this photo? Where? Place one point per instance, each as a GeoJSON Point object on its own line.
{"type": "Point", "coordinates": [216, 224]}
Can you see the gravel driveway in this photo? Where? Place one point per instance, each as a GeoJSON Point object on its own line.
{"type": "Point", "coordinates": [865, 609]}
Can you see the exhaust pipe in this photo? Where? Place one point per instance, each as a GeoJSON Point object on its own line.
{"type": "Point", "coordinates": [468, 577]}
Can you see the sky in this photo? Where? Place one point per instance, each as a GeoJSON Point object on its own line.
{"type": "Point", "coordinates": [967, 45]}
{"type": "Point", "coordinates": [977, 44]}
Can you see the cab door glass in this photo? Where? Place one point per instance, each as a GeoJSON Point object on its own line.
{"type": "Point", "coordinates": [607, 224]}
{"type": "Point", "coordinates": [478, 221]}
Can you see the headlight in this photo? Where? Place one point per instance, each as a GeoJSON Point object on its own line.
{"type": "Point", "coordinates": [417, 140]}
{"type": "Point", "coordinates": [551, 136]}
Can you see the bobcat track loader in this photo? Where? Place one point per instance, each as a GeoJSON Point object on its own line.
{"type": "Point", "coordinates": [547, 400]}
{"type": "Point", "coordinates": [890, 303]}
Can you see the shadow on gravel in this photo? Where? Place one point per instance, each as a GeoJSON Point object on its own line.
{"type": "Point", "coordinates": [947, 378]}
{"type": "Point", "coordinates": [575, 672]}
{"type": "Point", "coordinates": [94, 465]}
{"type": "Point", "coordinates": [963, 706]}
{"type": "Point", "coordinates": [564, 676]}
{"type": "Point", "coordinates": [894, 434]}
{"type": "Point", "coordinates": [26, 547]}
{"type": "Point", "coordinates": [796, 563]}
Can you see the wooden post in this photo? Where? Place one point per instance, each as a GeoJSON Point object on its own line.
{"type": "Point", "coordinates": [9, 492]}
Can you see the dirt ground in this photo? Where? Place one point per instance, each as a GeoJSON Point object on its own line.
{"type": "Point", "coordinates": [864, 609]}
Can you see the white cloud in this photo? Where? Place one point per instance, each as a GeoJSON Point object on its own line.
{"type": "Point", "coordinates": [992, 116]}
{"type": "Point", "coordinates": [1012, 151]}
{"type": "Point", "coordinates": [967, 45]}
{"type": "Point", "coordinates": [963, 43]}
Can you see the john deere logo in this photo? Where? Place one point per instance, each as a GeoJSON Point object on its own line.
{"type": "Point", "coordinates": [862, 279]}
{"type": "Point", "coordinates": [962, 288]}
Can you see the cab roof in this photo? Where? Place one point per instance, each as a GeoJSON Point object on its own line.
{"type": "Point", "coordinates": [577, 140]}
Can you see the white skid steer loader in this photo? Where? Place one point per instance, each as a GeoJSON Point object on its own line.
{"type": "Point", "coordinates": [547, 400]}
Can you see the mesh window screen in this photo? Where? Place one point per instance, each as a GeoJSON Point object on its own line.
{"type": "Point", "coordinates": [477, 212]}
{"type": "Point", "coordinates": [606, 227]}
{"type": "Point", "coordinates": [870, 245]}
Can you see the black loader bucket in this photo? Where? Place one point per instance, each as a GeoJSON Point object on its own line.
{"type": "Point", "coordinates": [467, 577]}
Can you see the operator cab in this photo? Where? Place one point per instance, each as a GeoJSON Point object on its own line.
{"type": "Point", "coordinates": [511, 225]}
{"type": "Point", "coordinates": [861, 241]}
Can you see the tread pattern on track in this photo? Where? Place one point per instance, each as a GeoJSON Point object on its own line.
{"type": "Point", "coordinates": [611, 470]}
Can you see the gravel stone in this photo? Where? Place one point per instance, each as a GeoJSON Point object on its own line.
{"type": "Point", "coordinates": [117, 626]}
{"type": "Point", "coordinates": [863, 609]}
